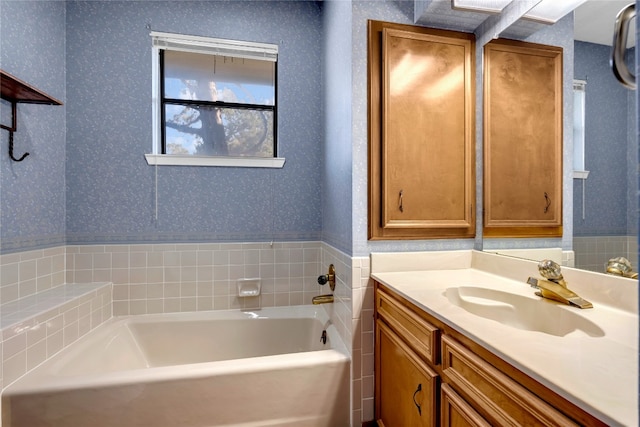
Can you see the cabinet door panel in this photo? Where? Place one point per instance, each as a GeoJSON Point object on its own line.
{"type": "Point", "coordinates": [523, 139]}
{"type": "Point", "coordinates": [456, 412]}
{"type": "Point", "coordinates": [421, 132]}
{"type": "Point", "coordinates": [405, 386]}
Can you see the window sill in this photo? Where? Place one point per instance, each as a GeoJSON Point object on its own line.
{"type": "Point", "coordinates": [580, 174]}
{"type": "Point", "coordinates": [237, 162]}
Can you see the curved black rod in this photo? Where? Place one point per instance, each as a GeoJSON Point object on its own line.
{"type": "Point", "coordinates": [11, 150]}
{"type": "Point", "coordinates": [12, 129]}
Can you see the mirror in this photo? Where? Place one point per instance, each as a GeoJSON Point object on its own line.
{"type": "Point", "coordinates": [604, 227]}
{"type": "Point", "coordinates": [604, 205]}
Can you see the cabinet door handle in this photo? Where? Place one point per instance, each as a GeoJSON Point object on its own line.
{"type": "Point", "coordinates": [414, 399]}
{"type": "Point", "coordinates": [400, 201]}
{"type": "Point", "coordinates": [547, 202]}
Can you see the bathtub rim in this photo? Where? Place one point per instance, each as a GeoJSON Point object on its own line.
{"type": "Point", "coordinates": [42, 379]}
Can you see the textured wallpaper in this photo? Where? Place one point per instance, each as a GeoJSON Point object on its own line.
{"type": "Point", "coordinates": [87, 181]}
{"type": "Point", "coordinates": [32, 198]}
{"type": "Point", "coordinates": [337, 197]}
{"type": "Point", "coordinates": [111, 191]}
{"type": "Point", "coordinates": [607, 140]}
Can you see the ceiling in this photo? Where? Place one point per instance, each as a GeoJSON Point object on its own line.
{"type": "Point", "coordinates": [594, 20]}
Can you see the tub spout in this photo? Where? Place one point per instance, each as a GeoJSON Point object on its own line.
{"type": "Point", "coordinates": [322, 299]}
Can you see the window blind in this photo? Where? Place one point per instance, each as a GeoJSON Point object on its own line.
{"type": "Point", "coordinates": [213, 46]}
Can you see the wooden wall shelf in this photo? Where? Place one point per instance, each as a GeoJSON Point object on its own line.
{"type": "Point", "coordinates": [15, 90]}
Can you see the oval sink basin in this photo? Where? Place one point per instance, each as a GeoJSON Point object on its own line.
{"type": "Point", "coordinates": [521, 312]}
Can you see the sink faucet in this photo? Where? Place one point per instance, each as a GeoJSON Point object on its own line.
{"type": "Point", "coordinates": [322, 299]}
{"type": "Point", "coordinates": [555, 287]}
{"type": "Point", "coordinates": [621, 266]}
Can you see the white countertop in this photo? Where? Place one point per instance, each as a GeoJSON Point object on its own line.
{"type": "Point", "coordinates": [598, 374]}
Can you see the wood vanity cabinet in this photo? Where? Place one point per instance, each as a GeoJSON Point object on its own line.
{"type": "Point", "coordinates": [456, 412]}
{"type": "Point", "coordinates": [408, 387]}
{"type": "Point", "coordinates": [522, 139]}
{"type": "Point", "coordinates": [421, 132]}
{"type": "Point", "coordinates": [422, 362]}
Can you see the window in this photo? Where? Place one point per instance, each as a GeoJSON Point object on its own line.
{"type": "Point", "coordinates": [579, 101]}
{"type": "Point", "coordinates": [214, 102]}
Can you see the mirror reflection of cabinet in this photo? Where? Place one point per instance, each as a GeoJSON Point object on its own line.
{"type": "Point", "coordinates": [522, 139]}
{"type": "Point", "coordinates": [421, 132]}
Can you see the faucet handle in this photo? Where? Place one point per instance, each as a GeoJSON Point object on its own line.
{"type": "Point", "coordinates": [551, 270]}
{"type": "Point", "coordinates": [330, 277]}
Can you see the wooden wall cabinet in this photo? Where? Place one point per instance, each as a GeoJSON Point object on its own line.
{"type": "Point", "coordinates": [421, 361]}
{"type": "Point", "coordinates": [421, 132]}
{"type": "Point", "coordinates": [522, 139]}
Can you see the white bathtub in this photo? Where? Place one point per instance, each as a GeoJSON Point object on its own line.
{"type": "Point", "coordinates": [266, 367]}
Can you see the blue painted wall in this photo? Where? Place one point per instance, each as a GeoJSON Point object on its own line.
{"type": "Point", "coordinates": [111, 189]}
{"type": "Point", "coordinates": [609, 206]}
{"type": "Point", "coordinates": [337, 163]}
{"type": "Point", "coordinates": [87, 180]}
{"type": "Point", "coordinates": [32, 196]}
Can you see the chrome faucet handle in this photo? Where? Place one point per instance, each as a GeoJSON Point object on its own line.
{"type": "Point", "coordinates": [551, 270]}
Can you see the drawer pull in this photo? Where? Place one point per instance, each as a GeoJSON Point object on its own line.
{"type": "Point", "coordinates": [547, 201]}
{"type": "Point", "coordinates": [414, 398]}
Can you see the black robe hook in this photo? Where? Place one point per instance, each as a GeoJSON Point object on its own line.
{"type": "Point", "coordinates": [12, 129]}
{"type": "Point", "coordinates": [15, 90]}
{"type": "Point", "coordinates": [11, 150]}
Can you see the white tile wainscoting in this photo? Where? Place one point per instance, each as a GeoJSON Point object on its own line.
{"type": "Point", "coordinates": [593, 252]}
{"type": "Point", "coordinates": [167, 278]}
{"type": "Point", "coordinates": [39, 314]}
{"type": "Point", "coordinates": [36, 327]}
{"type": "Point", "coordinates": [159, 278]}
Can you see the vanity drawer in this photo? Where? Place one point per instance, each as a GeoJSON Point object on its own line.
{"type": "Point", "coordinates": [493, 394]}
{"type": "Point", "coordinates": [420, 335]}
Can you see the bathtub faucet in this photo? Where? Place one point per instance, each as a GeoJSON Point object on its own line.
{"type": "Point", "coordinates": [322, 299]}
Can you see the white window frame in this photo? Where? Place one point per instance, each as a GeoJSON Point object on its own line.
{"type": "Point", "coordinates": [205, 45]}
{"type": "Point", "coordinates": [579, 104]}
